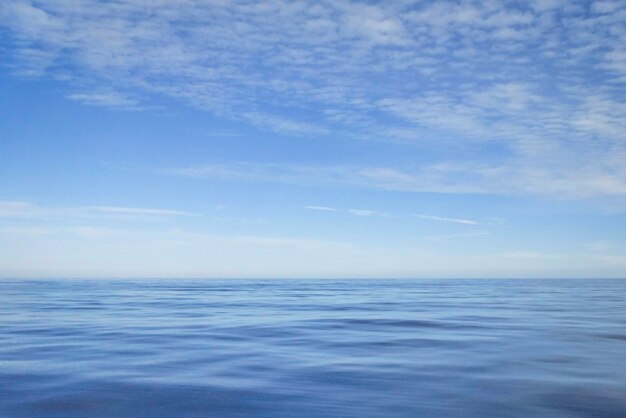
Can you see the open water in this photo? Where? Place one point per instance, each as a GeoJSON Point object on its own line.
{"type": "Point", "coordinates": [313, 348]}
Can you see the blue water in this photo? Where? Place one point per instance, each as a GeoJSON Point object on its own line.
{"type": "Point", "coordinates": [306, 349]}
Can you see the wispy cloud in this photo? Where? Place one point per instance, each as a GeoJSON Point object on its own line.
{"type": "Point", "coordinates": [367, 212]}
{"type": "Point", "coordinates": [322, 208]}
{"type": "Point", "coordinates": [355, 212]}
{"type": "Point", "coordinates": [520, 178]}
{"type": "Point", "coordinates": [539, 81]}
{"type": "Point", "coordinates": [105, 98]}
{"type": "Point", "coordinates": [23, 209]}
{"type": "Point", "coordinates": [453, 220]}
{"type": "Point", "coordinates": [377, 213]}
{"type": "Point", "coordinates": [137, 211]}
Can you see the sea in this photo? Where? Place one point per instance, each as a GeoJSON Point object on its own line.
{"type": "Point", "coordinates": [312, 348]}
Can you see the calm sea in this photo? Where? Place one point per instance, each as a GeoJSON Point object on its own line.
{"type": "Point", "coordinates": [306, 349]}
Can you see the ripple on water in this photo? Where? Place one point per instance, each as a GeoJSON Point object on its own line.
{"type": "Point", "coordinates": [363, 348]}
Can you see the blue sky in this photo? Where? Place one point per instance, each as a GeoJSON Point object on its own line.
{"type": "Point", "coordinates": [218, 138]}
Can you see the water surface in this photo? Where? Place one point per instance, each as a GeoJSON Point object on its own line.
{"type": "Point", "coordinates": [307, 349]}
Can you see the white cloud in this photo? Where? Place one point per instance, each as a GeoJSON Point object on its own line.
{"type": "Point", "coordinates": [137, 211]}
{"type": "Point", "coordinates": [110, 99]}
{"type": "Point", "coordinates": [322, 208]}
{"type": "Point", "coordinates": [521, 178]}
{"type": "Point", "coordinates": [29, 210]}
{"type": "Point", "coordinates": [452, 220]}
{"type": "Point", "coordinates": [367, 212]}
{"type": "Point", "coordinates": [606, 6]}
{"type": "Point", "coordinates": [540, 81]}
{"type": "Point", "coordinates": [355, 212]}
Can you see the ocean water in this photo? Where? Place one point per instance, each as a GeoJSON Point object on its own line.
{"type": "Point", "coordinates": [313, 348]}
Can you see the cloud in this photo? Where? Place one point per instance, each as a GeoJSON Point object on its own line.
{"type": "Point", "coordinates": [453, 220]}
{"type": "Point", "coordinates": [137, 211]}
{"type": "Point", "coordinates": [109, 99]}
{"type": "Point", "coordinates": [527, 177]}
{"type": "Point", "coordinates": [367, 212]}
{"type": "Point", "coordinates": [539, 82]}
{"type": "Point", "coordinates": [281, 124]}
{"type": "Point", "coordinates": [602, 7]}
{"type": "Point", "coordinates": [29, 210]}
{"type": "Point", "coordinates": [376, 213]}
{"type": "Point", "coordinates": [322, 208]}
{"type": "Point", "coordinates": [355, 212]}
{"type": "Point", "coordinates": [14, 208]}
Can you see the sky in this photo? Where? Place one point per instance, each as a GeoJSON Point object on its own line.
{"type": "Point", "coordinates": [312, 139]}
